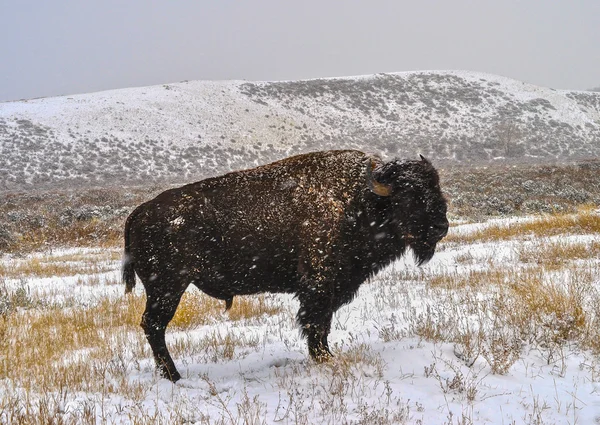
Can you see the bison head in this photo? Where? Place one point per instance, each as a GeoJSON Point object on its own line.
{"type": "Point", "coordinates": [414, 205]}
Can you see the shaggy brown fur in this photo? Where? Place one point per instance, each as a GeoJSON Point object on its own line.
{"type": "Point", "coordinates": [315, 225]}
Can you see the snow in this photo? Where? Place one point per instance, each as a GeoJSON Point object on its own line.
{"type": "Point", "coordinates": [402, 379]}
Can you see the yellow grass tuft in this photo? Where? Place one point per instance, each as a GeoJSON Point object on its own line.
{"type": "Point", "coordinates": [556, 254]}
{"type": "Point", "coordinates": [586, 221]}
{"type": "Point", "coordinates": [59, 347]}
{"type": "Point", "coordinates": [248, 307]}
{"type": "Point", "coordinates": [472, 278]}
{"type": "Point", "coordinates": [60, 265]}
{"type": "Point", "coordinates": [556, 306]}
{"type": "Point", "coordinates": [198, 309]}
{"type": "Point", "coordinates": [93, 232]}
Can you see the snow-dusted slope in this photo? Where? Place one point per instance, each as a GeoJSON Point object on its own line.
{"type": "Point", "coordinates": [193, 129]}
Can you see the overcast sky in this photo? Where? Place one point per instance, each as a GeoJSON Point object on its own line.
{"type": "Point", "coordinates": [57, 47]}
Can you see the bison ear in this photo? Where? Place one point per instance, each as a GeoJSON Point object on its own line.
{"type": "Point", "coordinates": [376, 187]}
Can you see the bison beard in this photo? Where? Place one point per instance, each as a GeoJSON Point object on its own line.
{"type": "Point", "coordinates": [316, 225]}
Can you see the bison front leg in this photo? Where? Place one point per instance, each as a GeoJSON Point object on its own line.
{"type": "Point", "coordinates": [159, 312]}
{"type": "Point", "coordinates": [314, 317]}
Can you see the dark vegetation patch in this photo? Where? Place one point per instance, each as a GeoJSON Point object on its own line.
{"type": "Point", "coordinates": [481, 192]}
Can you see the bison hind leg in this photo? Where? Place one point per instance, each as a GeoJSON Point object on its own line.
{"type": "Point", "coordinates": [159, 312]}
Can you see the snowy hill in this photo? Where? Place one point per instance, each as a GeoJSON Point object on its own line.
{"type": "Point", "coordinates": [187, 130]}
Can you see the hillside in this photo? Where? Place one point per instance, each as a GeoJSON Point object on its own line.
{"type": "Point", "coordinates": [187, 130]}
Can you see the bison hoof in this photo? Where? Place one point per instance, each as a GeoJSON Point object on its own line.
{"type": "Point", "coordinates": [321, 355]}
{"type": "Point", "coordinates": [172, 376]}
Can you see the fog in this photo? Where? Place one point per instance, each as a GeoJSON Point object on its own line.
{"type": "Point", "coordinates": [68, 46]}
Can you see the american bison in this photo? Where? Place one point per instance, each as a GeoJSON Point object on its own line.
{"type": "Point", "coordinates": [315, 225]}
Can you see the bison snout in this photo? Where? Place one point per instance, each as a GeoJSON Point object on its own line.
{"type": "Point", "coordinates": [440, 229]}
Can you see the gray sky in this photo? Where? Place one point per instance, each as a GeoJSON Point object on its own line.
{"type": "Point", "coordinates": [57, 47]}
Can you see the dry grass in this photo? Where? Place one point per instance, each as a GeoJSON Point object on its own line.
{"type": "Point", "coordinates": [546, 300]}
{"type": "Point", "coordinates": [587, 221]}
{"type": "Point", "coordinates": [554, 254]}
{"type": "Point", "coordinates": [253, 307]}
{"type": "Point", "coordinates": [58, 347]}
{"type": "Point", "coordinates": [223, 346]}
{"type": "Point", "coordinates": [48, 347]}
{"type": "Point", "coordinates": [47, 265]}
{"type": "Point", "coordinates": [38, 221]}
{"type": "Point", "coordinates": [98, 335]}
{"type": "Point", "coordinates": [474, 278]}
{"type": "Point", "coordinates": [94, 232]}
{"type": "Point", "coordinates": [557, 307]}
{"type": "Point", "coordinates": [347, 359]}
{"type": "Point", "coordinates": [495, 320]}
{"type": "Point", "coordinates": [51, 354]}
{"type": "Point", "coordinates": [198, 309]}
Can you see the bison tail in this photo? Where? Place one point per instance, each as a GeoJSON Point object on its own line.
{"type": "Point", "coordinates": [128, 271]}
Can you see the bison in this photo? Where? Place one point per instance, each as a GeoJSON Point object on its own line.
{"type": "Point", "coordinates": [315, 225]}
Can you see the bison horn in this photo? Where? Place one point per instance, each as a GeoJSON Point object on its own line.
{"type": "Point", "coordinates": [376, 187]}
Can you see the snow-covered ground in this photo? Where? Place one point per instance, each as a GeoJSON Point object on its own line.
{"type": "Point", "coordinates": [384, 372]}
